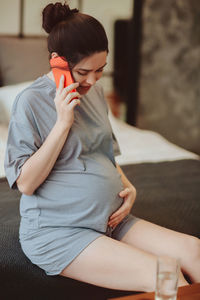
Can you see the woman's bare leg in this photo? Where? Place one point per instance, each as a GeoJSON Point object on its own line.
{"type": "Point", "coordinates": [113, 264]}
{"type": "Point", "coordinates": [161, 241]}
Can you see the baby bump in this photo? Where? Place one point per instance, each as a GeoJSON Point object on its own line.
{"type": "Point", "coordinates": [83, 199]}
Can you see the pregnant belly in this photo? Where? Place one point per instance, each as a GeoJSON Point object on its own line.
{"type": "Point", "coordinates": [81, 199]}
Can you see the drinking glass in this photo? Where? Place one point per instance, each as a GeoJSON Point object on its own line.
{"type": "Point", "coordinates": [167, 275]}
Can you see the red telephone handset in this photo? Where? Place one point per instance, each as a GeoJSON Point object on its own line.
{"type": "Point", "coordinates": [60, 67]}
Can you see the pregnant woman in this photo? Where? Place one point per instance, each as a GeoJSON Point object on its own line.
{"type": "Point", "coordinates": [76, 201]}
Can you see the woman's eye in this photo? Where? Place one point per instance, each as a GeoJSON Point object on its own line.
{"type": "Point", "coordinates": [99, 71]}
{"type": "Point", "coordinates": [82, 74]}
{"type": "Point", "coordinates": [85, 74]}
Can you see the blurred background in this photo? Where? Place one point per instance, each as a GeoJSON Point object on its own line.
{"type": "Point", "coordinates": [152, 80]}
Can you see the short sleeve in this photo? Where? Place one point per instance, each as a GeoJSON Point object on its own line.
{"type": "Point", "coordinates": [23, 139]}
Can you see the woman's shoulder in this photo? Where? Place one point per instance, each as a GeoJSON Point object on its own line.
{"type": "Point", "coordinates": [28, 98]}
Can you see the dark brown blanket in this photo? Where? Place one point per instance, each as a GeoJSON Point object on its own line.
{"type": "Point", "coordinates": [168, 193]}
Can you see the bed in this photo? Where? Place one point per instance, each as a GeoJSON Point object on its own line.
{"type": "Point", "coordinates": [167, 179]}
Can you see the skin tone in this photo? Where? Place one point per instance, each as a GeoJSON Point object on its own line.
{"type": "Point", "coordinates": [129, 264]}
{"type": "Point", "coordinates": [89, 70]}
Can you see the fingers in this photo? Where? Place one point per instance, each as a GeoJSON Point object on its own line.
{"type": "Point", "coordinates": [118, 216]}
{"type": "Point", "coordinates": [114, 222]}
{"type": "Point", "coordinates": [71, 96]}
{"type": "Point", "coordinates": [74, 103]}
{"type": "Point", "coordinates": [64, 91]}
{"type": "Point", "coordinates": [69, 88]}
{"type": "Point", "coordinates": [61, 85]}
{"type": "Point", "coordinates": [129, 195]}
{"type": "Point", "coordinates": [123, 210]}
{"type": "Point", "coordinates": [124, 193]}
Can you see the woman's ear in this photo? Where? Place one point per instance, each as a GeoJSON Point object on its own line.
{"type": "Point", "coordinates": [54, 54]}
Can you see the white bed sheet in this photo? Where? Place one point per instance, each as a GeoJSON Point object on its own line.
{"type": "Point", "coordinates": [137, 145]}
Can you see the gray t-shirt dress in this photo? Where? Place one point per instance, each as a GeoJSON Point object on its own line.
{"type": "Point", "coordinates": [71, 208]}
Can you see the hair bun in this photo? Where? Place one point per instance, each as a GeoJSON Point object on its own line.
{"type": "Point", "coordinates": [55, 13]}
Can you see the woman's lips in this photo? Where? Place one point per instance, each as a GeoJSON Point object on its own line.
{"type": "Point", "coordinates": [84, 89]}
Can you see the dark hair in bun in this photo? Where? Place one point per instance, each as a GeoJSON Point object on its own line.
{"type": "Point", "coordinates": [72, 34]}
{"type": "Point", "coordinates": [55, 13]}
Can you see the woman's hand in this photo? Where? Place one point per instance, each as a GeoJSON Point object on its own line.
{"type": "Point", "coordinates": [65, 103]}
{"type": "Point", "coordinates": [129, 196]}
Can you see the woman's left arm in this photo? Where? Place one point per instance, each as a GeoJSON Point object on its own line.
{"type": "Point", "coordinates": [129, 196]}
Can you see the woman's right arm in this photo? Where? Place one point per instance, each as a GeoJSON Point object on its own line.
{"type": "Point", "coordinates": [36, 169]}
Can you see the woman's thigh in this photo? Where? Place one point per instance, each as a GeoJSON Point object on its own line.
{"type": "Point", "coordinates": [110, 263]}
{"type": "Point", "coordinates": [158, 240]}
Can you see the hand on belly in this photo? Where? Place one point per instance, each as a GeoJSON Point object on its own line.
{"type": "Point", "coordinates": [129, 196]}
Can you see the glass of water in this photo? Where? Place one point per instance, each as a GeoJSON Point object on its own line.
{"type": "Point", "coordinates": [168, 270]}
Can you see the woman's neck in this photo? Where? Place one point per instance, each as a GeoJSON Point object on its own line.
{"type": "Point", "coordinates": [50, 75]}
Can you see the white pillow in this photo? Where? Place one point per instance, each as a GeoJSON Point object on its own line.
{"type": "Point", "coordinates": [7, 97]}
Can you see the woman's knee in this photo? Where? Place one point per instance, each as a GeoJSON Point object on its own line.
{"type": "Point", "coordinates": [191, 251]}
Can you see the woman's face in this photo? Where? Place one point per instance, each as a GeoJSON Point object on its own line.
{"type": "Point", "coordinates": [89, 70]}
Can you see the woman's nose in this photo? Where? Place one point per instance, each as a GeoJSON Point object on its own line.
{"type": "Point", "coordinates": [91, 79]}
